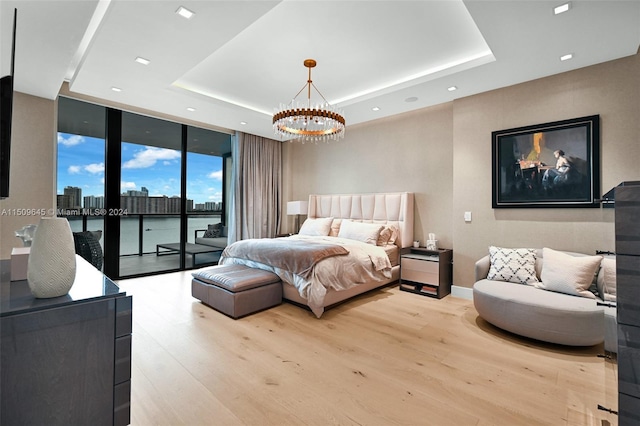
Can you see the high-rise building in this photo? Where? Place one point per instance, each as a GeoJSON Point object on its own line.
{"type": "Point", "coordinates": [74, 196]}
{"type": "Point", "coordinates": [93, 202]}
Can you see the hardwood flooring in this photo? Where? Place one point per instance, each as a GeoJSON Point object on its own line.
{"type": "Point", "coordinates": [385, 358]}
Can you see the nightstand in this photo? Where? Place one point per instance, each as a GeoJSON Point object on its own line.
{"type": "Point", "coordinates": [426, 272]}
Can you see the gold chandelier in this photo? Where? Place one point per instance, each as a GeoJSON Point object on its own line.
{"type": "Point", "coordinates": [302, 120]}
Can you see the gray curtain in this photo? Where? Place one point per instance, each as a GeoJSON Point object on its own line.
{"type": "Point", "coordinates": [257, 187]}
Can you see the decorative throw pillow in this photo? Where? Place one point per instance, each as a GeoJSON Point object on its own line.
{"type": "Point", "coordinates": [394, 233]}
{"type": "Point", "coordinates": [365, 232]}
{"type": "Point", "coordinates": [316, 226]}
{"type": "Point", "coordinates": [607, 279]}
{"type": "Point", "coordinates": [512, 265]}
{"type": "Point", "coordinates": [385, 236]}
{"type": "Point", "coordinates": [335, 227]}
{"type": "Point", "coordinates": [213, 231]}
{"type": "Point", "coordinates": [564, 273]}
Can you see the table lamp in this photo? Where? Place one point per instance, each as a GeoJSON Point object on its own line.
{"type": "Point", "coordinates": [297, 208]}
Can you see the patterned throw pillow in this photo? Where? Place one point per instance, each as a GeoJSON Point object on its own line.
{"type": "Point", "coordinates": [213, 231]}
{"type": "Point", "coordinates": [513, 265]}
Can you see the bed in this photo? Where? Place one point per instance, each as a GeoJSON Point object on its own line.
{"type": "Point", "coordinates": [320, 274]}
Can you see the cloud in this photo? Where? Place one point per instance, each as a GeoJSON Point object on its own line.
{"type": "Point", "coordinates": [71, 140]}
{"type": "Point", "coordinates": [217, 175]}
{"type": "Point", "coordinates": [149, 156]}
{"type": "Point", "coordinates": [94, 168]}
{"type": "Point", "coordinates": [125, 186]}
{"type": "Point", "coordinates": [217, 197]}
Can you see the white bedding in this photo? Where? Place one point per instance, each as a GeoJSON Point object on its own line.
{"type": "Point", "coordinates": [364, 263]}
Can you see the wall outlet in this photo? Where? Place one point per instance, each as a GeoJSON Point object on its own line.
{"type": "Point", "coordinates": [467, 216]}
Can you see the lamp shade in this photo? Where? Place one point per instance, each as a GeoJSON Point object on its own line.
{"type": "Point", "coordinates": [297, 207]}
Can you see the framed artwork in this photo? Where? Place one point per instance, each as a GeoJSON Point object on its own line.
{"type": "Point", "coordinates": [547, 165]}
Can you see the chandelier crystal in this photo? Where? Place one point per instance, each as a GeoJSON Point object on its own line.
{"type": "Point", "coordinates": [307, 121]}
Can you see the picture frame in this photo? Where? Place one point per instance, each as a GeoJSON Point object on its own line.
{"type": "Point", "coordinates": [553, 164]}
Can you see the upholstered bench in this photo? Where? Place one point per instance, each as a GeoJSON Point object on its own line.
{"type": "Point", "coordinates": [236, 290]}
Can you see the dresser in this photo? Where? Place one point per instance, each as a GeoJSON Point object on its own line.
{"type": "Point", "coordinates": [627, 205]}
{"type": "Point", "coordinates": [66, 360]}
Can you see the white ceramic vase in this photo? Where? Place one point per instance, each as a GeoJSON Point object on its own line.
{"type": "Point", "coordinates": [51, 268]}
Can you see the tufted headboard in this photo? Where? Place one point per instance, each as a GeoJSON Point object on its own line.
{"type": "Point", "coordinates": [384, 208]}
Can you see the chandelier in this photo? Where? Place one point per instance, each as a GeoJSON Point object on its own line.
{"type": "Point", "coordinates": [306, 121]}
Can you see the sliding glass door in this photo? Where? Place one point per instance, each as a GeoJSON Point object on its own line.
{"type": "Point", "coordinates": [163, 184]}
{"type": "Point", "coordinates": [150, 195]}
{"type": "Point", "coordinates": [205, 191]}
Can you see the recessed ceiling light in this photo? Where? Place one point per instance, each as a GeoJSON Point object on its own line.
{"type": "Point", "coordinates": [411, 99]}
{"type": "Point", "coordinates": [184, 12]}
{"type": "Point", "coordinates": [375, 108]}
{"type": "Point", "coordinates": [452, 88]}
{"type": "Point", "coordinates": [562, 8]}
{"type": "Point", "coordinates": [191, 109]}
{"type": "Point", "coordinates": [142, 60]}
{"type": "Point", "coordinates": [243, 123]}
{"type": "Point", "coordinates": [116, 89]}
{"type": "Point", "coordinates": [566, 57]}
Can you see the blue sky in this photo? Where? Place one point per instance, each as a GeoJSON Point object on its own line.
{"type": "Point", "coordinates": [81, 164]}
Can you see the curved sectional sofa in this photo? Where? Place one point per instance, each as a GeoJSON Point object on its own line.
{"type": "Point", "coordinates": [533, 311]}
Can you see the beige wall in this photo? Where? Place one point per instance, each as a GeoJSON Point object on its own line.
{"type": "Point", "coordinates": [33, 150]}
{"type": "Point", "coordinates": [409, 152]}
{"type": "Point", "coordinates": [443, 154]}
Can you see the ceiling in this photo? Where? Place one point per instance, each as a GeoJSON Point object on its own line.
{"type": "Point", "coordinates": [233, 62]}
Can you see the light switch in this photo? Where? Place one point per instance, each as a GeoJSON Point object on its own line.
{"type": "Point", "coordinates": [467, 216]}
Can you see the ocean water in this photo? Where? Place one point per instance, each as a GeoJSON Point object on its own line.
{"type": "Point", "coordinates": [156, 230]}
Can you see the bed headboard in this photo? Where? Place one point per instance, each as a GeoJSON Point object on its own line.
{"type": "Point", "coordinates": [384, 208]}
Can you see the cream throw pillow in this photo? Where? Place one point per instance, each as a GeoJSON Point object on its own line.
{"type": "Point", "coordinates": [317, 227]}
{"type": "Point", "coordinates": [365, 232]}
{"type": "Point", "coordinates": [564, 273]}
{"type": "Point", "coordinates": [607, 279]}
{"type": "Point", "coordinates": [385, 236]}
{"type": "Point", "coordinates": [512, 265]}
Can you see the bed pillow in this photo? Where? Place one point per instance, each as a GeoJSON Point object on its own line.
{"type": "Point", "coordinates": [564, 273]}
{"type": "Point", "coordinates": [513, 265]}
{"type": "Point", "coordinates": [365, 232]}
{"type": "Point", "coordinates": [316, 227]}
{"type": "Point", "coordinates": [607, 279]}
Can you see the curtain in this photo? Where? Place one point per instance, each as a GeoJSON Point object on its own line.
{"type": "Point", "coordinates": [256, 197]}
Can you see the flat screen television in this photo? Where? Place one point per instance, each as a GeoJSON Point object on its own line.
{"type": "Point", "coordinates": [6, 113]}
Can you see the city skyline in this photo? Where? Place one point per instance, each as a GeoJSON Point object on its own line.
{"type": "Point", "coordinates": [81, 164]}
{"type": "Point", "coordinates": [132, 201]}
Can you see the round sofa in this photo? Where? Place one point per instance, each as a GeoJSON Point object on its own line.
{"type": "Point", "coordinates": [538, 313]}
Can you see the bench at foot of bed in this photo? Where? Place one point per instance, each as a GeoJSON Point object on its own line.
{"type": "Point", "coordinates": [236, 290]}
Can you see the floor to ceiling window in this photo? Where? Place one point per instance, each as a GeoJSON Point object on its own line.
{"type": "Point", "coordinates": [150, 188]}
{"type": "Point", "coordinates": [165, 184]}
{"type": "Point", "coordinates": [81, 162]}
{"type": "Point", "coordinates": [205, 189]}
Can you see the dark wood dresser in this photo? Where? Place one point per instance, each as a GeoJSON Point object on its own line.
{"type": "Point", "coordinates": [66, 360]}
{"type": "Point", "coordinates": [627, 199]}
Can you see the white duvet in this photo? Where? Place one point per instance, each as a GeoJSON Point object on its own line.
{"type": "Point", "coordinates": [364, 263]}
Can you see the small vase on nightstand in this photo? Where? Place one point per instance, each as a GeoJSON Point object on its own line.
{"type": "Point", "coordinates": [51, 269]}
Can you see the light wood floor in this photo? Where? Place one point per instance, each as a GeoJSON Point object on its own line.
{"type": "Point", "coordinates": [386, 358]}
